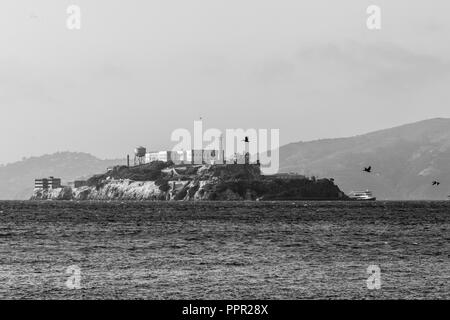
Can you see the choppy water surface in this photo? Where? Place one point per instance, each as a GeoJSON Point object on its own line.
{"type": "Point", "coordinates": [244, 250]}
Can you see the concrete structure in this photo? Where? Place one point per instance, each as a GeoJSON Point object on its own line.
{"type": "Point", "coordinates": [193, 156]}
{"type": "Point", "coordinates": [176, 156]}
{"type": "Point", "coordinates": [213, 157]}
{"type": "Point", "coordinates": [204, 157]}
{"type": "Point", "coordinates": [240, 158]}
{"type": "Point", "coordinates": [158, 156]}
{"type": "Point", "coordinates": [139, 155]}
{"type": "Point", "coordinates": [285, 176]}
{"type": "Point", "coordinates": [186, 157]}
{"type": "Point", "coordinates": [79, 183]}
{"type": "Point", "coordinates": [47, 183]}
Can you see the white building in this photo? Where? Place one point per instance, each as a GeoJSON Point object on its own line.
{"type": "Point", "coordinates": [187, 157]}
{"type": "Point", "coordinates": [157, 156]}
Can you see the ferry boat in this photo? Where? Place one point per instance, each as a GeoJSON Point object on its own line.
{"type": "Point", "coordinates": [362, 195]}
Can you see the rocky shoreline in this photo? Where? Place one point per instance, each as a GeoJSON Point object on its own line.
{"type": "Point", "coordinates": [165, 182]}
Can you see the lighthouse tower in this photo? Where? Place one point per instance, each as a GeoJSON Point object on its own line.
{"type": "Point", "coordinates": [247, 150]}
{"type": "Point", "coordinates": [221, 156]}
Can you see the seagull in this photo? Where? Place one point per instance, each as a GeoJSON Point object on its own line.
{"type": "Point", "coordinates": [368, 169]}
{"type": "Point", "coordinates": [436, 183]}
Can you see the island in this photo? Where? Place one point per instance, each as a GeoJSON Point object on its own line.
{"type": "Point", "coordinates": [166, 181]}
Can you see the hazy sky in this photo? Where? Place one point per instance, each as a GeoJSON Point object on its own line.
{"type": "Point", "coordinates": [138, 69]}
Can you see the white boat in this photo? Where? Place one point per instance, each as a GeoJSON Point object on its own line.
{"type": "Point", "coordinates": [362, 195]}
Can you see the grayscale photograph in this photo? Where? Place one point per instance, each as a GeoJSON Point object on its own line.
{"type": "Point", "coordinates": [247, 151]}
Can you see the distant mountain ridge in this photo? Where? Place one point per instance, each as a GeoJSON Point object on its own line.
{"type": "Point", "coordinates": [405, 161]}
{"type": "Point", "coordinates": [17, 179]}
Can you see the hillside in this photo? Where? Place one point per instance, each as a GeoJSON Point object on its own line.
{"type": "Point", "coordinates": [405, 160]}
{"type": "Point", "coordinates": [17, 179]}
{"type": "Point", "coordinates": [165, 181]}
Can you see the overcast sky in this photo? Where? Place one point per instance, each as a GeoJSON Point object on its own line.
{"type": "Point", "coordinates": [138, 69]}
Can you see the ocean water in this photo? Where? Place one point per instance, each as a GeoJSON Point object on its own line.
{"type": "Point", "coordinates": [224, 250]}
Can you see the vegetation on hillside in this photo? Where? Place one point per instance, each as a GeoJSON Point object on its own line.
{"type": "Point", "coordinates": [146, 172]}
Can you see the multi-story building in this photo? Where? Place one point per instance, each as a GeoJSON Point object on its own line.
{"type": "Point", "coordinates": [213, 157]}
{"type": "Point", "coordinates": [186, 157]}
{"type": "Point", "coordinates": [204, 157]}
{"type": "Point", "coordinates": [47, 183]}
{"type": "Point", "coordinates": [79, 183]}
{"type": "Point", "coordinates": [158, 156]}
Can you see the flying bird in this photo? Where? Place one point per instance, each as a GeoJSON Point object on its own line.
{"type": "Point", "coordinates": [436, 183]}
{"type": "Point", "coordinates": [368, 169]}
{"type": "Point", "coordinates": [246, 139]}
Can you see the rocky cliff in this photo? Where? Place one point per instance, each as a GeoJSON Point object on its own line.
{"type": "Point", "coordinates": [164, 181]}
